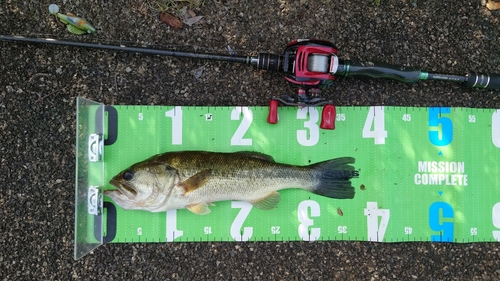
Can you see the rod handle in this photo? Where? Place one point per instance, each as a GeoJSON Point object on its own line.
{"type": "Point", "coordinates": [379, 70]}
{"type": "Point", "coordinates": [483, 80]}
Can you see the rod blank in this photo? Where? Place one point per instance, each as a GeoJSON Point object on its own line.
{"type": "Point", "coordinates": [240, 59]}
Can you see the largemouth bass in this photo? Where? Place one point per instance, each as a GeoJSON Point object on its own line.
{"type": "Point", "coordinates": [195, 179]}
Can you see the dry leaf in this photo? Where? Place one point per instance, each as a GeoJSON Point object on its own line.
{"type": "Point", "coordinates": [191, 21]}
{"type": "Point", "coordinates": [183, 13]}
{"type": "Point", "coordinates": [191, 13]}
{"type": "Point", "coordinates": [492, 5]}
{"type": "Point", "coordinates": [198, 72]}
{"type": "Point", "coordinates": [189, 17]}
{"type": "Point", "coordinates": [170, 20]}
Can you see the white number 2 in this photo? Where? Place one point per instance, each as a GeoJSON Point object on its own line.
{"type": "Point", "coordinates": [237, 138]}
{"type": "Point", "coordinates": [237, 224]}
{"type": "Point", "coordinates": [375, 117]}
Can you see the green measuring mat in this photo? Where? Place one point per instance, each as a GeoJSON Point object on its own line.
{"type": "Point", "coordinates": [425, 174]}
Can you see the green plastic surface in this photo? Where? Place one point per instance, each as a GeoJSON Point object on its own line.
{"type": "Point", "coordinates": [426, 174]}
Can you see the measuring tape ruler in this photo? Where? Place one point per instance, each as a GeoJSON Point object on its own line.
{"type": "Point", "coordinates": [425, 174]}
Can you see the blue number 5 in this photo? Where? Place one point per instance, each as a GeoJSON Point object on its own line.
{"type": "Point", "coordinates": [446, 229]}
{"type": "Point", "coordinates": [446, 126]}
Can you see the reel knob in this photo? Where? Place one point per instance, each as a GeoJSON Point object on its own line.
{"type": "Point", "coordinates": [328, 117]}
{"type": "Point", "coordinates": [272, 117]}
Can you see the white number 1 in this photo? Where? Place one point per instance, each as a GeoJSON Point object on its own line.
{"type": "Point", "coordinates": [176, 115]}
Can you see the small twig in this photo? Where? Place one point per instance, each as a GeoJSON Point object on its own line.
{"type": "Point", "coordinates": [116, 84]}
{"type": "Point", "coordinates": [38, 75]}
{"type": "Point", "coordinates": [41, 98]}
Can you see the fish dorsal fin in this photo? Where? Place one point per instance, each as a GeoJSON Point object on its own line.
{"type": "Point", "coordinates": [199, 209]}
{"type": "Point", "coordinates": [196, 181]}
{"type": "Point", "coordinates": [257, 155]}
{"type": "Point", "coordinates": [267, 203]}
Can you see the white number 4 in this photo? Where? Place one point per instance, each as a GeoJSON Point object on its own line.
{"type": "Point", "coordinates": [376, 232]}
{"type": "Point", "coordinates": [375, 117]}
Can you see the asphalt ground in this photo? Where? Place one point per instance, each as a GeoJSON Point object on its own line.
{"type": "Point", "coordinates": [39, 85]}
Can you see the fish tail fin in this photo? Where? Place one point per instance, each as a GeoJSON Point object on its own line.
{"type": "Point", "coordinates": [334, 178]}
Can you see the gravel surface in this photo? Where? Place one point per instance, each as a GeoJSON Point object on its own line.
{"type": "Point", "coordinates": [39, 85]}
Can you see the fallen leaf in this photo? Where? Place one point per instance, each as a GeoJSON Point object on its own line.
{"type": "Point", "coordinates": [183, 13]}
{"type": "Point", "coordinates": [230, 50]}
{"type": "Point", "coordinates": [198, 72]}
{"type": "Point", "coordinates": [170, 20]}
{"type": "Point", "coordinates": [189, 17]}
{"type": "Point", "coordinates": [191, 21]}
{"type": "Point", "coordinates": [492, 5]}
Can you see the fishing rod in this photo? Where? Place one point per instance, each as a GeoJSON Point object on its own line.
{"type": "Point", "coordinates": [262, 62]}
{"type": "Point", "coordinates": [309, 65]}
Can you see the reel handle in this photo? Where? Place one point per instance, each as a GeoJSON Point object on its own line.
{"type": "Point", "coordinates": [483, 80]}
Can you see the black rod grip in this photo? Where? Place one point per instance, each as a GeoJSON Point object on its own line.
{"type": "Point", "coordinates": [480, 80]}
{"type": "Point", "coordinates": [379, 70]}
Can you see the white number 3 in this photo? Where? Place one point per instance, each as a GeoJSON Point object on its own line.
{"type": "Point", "coordinates": [311, 124]}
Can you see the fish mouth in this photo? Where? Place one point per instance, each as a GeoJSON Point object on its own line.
{"type": "Point", "coordinates": [124, 187]}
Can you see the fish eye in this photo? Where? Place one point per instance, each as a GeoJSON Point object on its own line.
{"type": "Point", "coordinates": [128, 175]}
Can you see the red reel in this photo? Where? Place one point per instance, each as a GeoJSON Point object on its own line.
{"type": "Point", "coordinates": [310, 63]}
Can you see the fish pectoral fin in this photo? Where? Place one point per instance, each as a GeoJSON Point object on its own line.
{"type": "Point", "coordinates": [199, 209]}
{"type": "Point", "coordinates": [267, 203]}
{"type": "Point", "coordinates": [196, 181]}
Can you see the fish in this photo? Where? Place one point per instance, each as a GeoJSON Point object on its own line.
{"type": "Point", "coordinates": [193, 180]}
{"type": "Point", "coordinates": [75, 25]}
